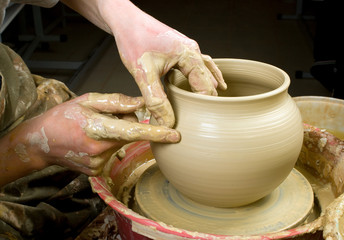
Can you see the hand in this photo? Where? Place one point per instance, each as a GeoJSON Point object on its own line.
{"type": "Point", "coordinates": [80, 134]}
{"type": "Point", "coordinates": [149, 49]}
{"type": "Point", "coordinates": [86, 130]}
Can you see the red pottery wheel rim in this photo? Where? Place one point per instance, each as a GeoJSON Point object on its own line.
{"type": "Point", "coordinates": [101, 187]}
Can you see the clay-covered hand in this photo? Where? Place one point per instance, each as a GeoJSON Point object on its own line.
{"type": "Point", "coordinates": [149, 49]}
{"type": "Point", "coordinates": [87, 130]}
{"type": "Point", "coordinates": [81, 134]}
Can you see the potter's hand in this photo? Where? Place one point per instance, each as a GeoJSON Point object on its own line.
{"type": "Point", "coordinates": [158, 50]}
{"type": "Point", "coordinates": [80, 134]}
{"type": "Point", "coordinates": [149, 49]}
{"type": "Point", "coordinates": [83, 132]}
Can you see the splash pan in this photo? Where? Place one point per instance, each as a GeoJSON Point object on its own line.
{"type": "Point", "coordinates": [117, 190]}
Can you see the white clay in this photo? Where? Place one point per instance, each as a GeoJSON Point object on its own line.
{"type": "Point", "coordinates": [40, 139]}
{"type": "Point", "coordinates": [72, 155]}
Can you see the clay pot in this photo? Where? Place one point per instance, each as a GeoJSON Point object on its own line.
{"type": "Point", "coordinates": [238, 147]}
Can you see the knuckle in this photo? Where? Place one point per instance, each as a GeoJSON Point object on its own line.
{"type": "Point", "coordinates": [193, 44]}
{"type": "Point", "coordinates": [207, 58]}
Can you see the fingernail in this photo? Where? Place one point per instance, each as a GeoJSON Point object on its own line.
{"type": "Point", "coordinates": [173, 137]}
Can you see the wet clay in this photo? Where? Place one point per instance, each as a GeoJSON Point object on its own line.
{"type": "Point", "coordinates": [323, 191]}
{"type": "Point", "coordinates": [100, 121]}
{"type": "Point", "coordinates": [237, 148]}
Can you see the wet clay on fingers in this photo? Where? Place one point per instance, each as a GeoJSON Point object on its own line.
{"type": "Point", "coordinates": [101, 126]}
{"type": "Point", "coordinates": [183, 53]}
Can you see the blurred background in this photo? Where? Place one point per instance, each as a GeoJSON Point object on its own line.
{"type": "Point", "coordinates": [58, 43]}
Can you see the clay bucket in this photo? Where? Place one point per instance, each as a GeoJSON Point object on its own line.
{"type": "Point", "coordinates": [115, 187]}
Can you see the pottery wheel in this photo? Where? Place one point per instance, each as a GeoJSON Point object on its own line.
{"type": "Point", "coordinates": [286, 207]}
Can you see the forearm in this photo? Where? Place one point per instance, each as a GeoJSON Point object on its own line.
{"type": "Point", "coordinates": [121, 18]}
{"type": "Point", "coordinates": [108, 15]}
{"type": "Point", "coordinates": [19, 156]}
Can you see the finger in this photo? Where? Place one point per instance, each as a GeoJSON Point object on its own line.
{"type": "Point", "coordinates": [208, 61]}
{"type": "Point", "coordinates": [200, 78]}
{"type": "Point", "coordinates": [113, 103]}
{"type": "Point", "coordinates": [102, 127]}
{"type": "Point", "coordinates": [148, 80]}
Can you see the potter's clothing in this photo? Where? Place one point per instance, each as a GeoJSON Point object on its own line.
{"type": "Point", "coordinates": [53, 203]}
{"type": "Point", "coordinates": [26, 96]}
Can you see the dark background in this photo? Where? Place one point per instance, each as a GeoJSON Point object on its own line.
{"type": "Point", "coordinates": [271, 31]}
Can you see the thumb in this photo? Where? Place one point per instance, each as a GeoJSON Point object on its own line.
{"type": "Point", "coordinates": [147, 77]}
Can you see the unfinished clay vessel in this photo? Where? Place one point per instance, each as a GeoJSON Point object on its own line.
{"type": "Point", "coordinates": [238, 147]}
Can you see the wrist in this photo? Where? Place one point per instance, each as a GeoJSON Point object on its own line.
{"type": "Point", "coordinates": [119, 15]}
{"type": "Point", "coordinates": [18, 157]}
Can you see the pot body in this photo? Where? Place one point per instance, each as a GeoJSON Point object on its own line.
{"type": "Point", "coordinates": [235, 148]}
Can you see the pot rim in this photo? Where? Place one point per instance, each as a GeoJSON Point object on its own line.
{"type": "Point", "coordinates": [282, 88]}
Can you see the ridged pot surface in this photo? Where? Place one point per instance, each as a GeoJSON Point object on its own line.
{"type": "Point", "coordinates": [238, 147]}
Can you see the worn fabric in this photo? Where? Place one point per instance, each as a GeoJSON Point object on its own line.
{"type": "Point", "coordinates": [26, 96]}
{"type": "Point", "coordinates": [54, 203]}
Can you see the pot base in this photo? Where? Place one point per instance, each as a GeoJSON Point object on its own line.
{"type": "Point", "coordinates": [286, 207]}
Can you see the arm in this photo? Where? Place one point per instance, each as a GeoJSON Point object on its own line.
{"type": "Point", "coordinates": [16, 160]}
{"type": "Point", "coordinates": [80, 134]}
{"type": "Point", "coordinates": [149, 49]}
